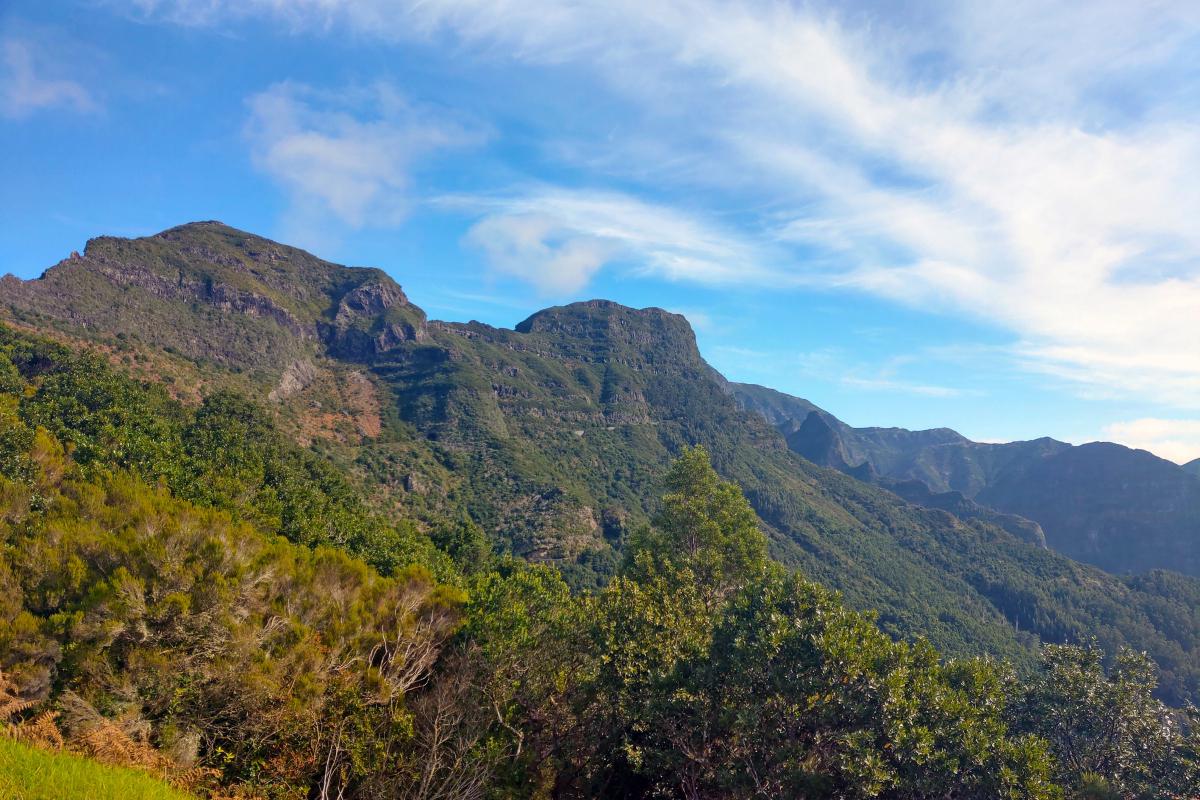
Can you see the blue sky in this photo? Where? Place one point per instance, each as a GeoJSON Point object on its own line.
{"type": "Point", "coordinates": [947, 214]}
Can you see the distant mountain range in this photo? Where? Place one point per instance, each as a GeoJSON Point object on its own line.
{"type": "Point", "coordinates": [552, 435]}
{"type": "Point", "coordinates": [1123, 510]}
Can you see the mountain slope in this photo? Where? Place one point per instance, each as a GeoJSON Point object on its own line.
{"type": "Point", "coordinates": [1124, 510]}
{"type": "Point", "coordinates": [550, 436]}
{"type": "Point", "coordinates": [824, 439]}
{"type": "Point", "coordinates": [246, 301]}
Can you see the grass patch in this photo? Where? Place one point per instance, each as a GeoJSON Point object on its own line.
{"type": "Point", "coordinates": [27, 773]}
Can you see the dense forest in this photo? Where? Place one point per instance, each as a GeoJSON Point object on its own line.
{"type": "Point", "coordinates": [187, 589]}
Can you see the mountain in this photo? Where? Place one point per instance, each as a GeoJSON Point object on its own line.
{"type": "Point", "coordinates": [1193, 466]}
{"type": "Point", "coordinates": [824, 439]}
{"type": "Point", "coordinates": [551, 435]}
{"type": "Point", "coordinates": [1123, 510]}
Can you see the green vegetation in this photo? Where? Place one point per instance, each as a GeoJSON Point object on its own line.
{"type": "Point", "coordinates": [528, 581]}
{"type": "Point", "coordinates": [27, 773]}
{"type": "Point", "coordinates": [172, 620]}
{"type": "Point", "coordinates": [1124, 510]}
{"type": "Point", "coordinates": [633, 382]}
{"type": "Point", "coordinates": [549, 438]}
{"type": "Point", "coordinates": [226, 454]}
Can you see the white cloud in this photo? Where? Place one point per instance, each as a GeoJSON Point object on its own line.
{"type": "Point", "coordinates": [539, 250]}
{"type": "Point", "coordinates": [558, 239]}
{"type": "Point", "coordinates": [26, 87]}
{"type": "Point", "coordinates": [348, 155]}
{"type": "Point", "coordinates": [1032, 165]}
{"type": "Point", "coordinates": [1175, 439]}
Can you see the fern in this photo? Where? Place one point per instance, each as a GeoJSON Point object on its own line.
{"type": "Point", "coordinates": [11, 702]}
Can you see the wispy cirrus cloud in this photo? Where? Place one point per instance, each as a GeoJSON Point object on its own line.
{"type": "Point", "coordinates": [558, 239]}
{"type": "Point", "coordinates": [833, 365]}
{"type": "Point", "coordinates": [30, 82]}
{"type": "Point", "coordinates": [967, 162]}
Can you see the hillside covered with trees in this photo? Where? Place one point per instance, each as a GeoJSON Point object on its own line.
{"type": "Point", "coordinates": [548, 438]}
{"type": "Point", "coordinates": [187, 589]}
{"type": "Point", "coordinates": [1123, 510]}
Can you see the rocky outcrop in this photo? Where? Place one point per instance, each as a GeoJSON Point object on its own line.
{"type": "Point", "coordinates": [296, 378]}
{"type": "Point", "coordinates": [371, 319]}
{"type": "Point", "coordinates": [608, 332]}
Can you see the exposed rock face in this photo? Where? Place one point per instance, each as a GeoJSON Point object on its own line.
{"type": "Point", "coordinates": [603, 330]}
{"type": "Point", "coordinates": [296, 378]}
{"type": "Point", "coordinates": [183, 287]}
{"type": "Point", "coordinates": [550, 527]}
{"type": "Point", "coordinates": [264, 305]}
{"type": "Point", "coordinates": [371, 319]}
{"type": "Point", "coordinates": [371, 299]}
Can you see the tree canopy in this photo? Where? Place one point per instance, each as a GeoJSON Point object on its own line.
{"type": "Point", "coordinates": [190, 581]}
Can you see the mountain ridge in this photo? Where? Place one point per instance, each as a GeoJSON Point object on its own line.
{"type": "Point", "coordinates": [549, 435]}
{"type": "Point", "coordinates": [1124, 510]}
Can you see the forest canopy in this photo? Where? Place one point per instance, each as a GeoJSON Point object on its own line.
{"type": "Point", "coordinates": [187, 583]}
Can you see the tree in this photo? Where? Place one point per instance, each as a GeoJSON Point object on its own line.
{"type": "Point", "coordinates": [705, 527]}
{"type": "Point", "coordinates": [1106, 727]}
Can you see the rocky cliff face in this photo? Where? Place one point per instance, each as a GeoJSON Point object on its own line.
{"type": "Point", "coordinates": [216, 294]}
{"type": "Point", "coordinates": [372, 319]}
{"type": "Point", "coordinates": [603, 331]}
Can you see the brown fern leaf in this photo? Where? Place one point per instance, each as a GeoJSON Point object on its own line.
{"type": "Point", "coordinates": [195, 779]}
{"type": "Point", "coordinates": [11, 702]}
{"type": "Point", "coordinates": [108, 743]}
{"type": "Point", "coordinates": [41, 731]}
{"type": "Point", "coordinates": [235, 793]}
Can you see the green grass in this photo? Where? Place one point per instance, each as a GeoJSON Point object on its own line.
{"type": "Point", "coordinates": [27, 773]}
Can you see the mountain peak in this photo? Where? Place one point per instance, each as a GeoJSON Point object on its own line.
{"type": "Point", "coordinates": [201, 225]}
{"type": "Point", "coordinates": [602, 325]}
{"type": "Point", "coordinates": [556, 317]}
{"type": "Point", "coordinates": [264, 303]}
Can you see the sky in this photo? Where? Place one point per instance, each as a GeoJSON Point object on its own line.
{"type": "Point", "coordinates": [965, 214]}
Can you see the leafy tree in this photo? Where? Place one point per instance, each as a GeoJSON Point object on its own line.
{"type": "Point", "coordinates": [704, 527]}
{"type": "Point", "coordinates": [1105, 727]}
{"type": "Point", "coordinates": [720, 676]}
{"type": "Point", "coordinates": [465, 543]}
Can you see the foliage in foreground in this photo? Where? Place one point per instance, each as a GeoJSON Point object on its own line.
{"type": "Point", "coordinates": [160, 599]}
